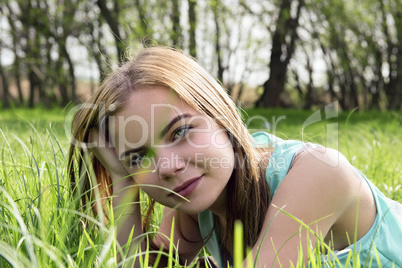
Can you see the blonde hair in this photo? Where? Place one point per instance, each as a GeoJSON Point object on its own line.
{"type": "Point", "coordinates": [248, 193]}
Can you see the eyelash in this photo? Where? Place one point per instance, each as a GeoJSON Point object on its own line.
{"type": "Point", "coordinates": [186, 128]}
{"type": "Point", "coordinates": [137, 158]}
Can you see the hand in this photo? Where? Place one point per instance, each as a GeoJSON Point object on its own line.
{"type": "Point", "coordinates": [106, 154]}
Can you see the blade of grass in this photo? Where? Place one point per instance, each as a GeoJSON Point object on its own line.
{"type": "Point", "coordinates": [170, 260]}
{"type": "Point", "coordinates": [13, 256]}
{"type": "Point", "coordinates": [238, 245]}
{"type": "Point", "coordinates": [24, 231]}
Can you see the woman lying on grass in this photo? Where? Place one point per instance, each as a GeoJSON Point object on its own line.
{"type": "Point", "coordinates": [160, 123]}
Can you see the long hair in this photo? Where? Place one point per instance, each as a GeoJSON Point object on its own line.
{"type": "Point", "coordinates": [247, 189]}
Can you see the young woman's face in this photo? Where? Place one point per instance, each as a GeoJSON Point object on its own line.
{"type": "Point", "coordinates": [174, 149]}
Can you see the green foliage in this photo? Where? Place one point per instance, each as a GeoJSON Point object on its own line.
{"type": "Point", "coordinates": [345, 50]}
{"type": "Point", "coordinates": [40, 225]}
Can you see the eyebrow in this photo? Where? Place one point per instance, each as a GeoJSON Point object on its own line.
{"type": "Point", "coordinates": [172, 122]}
{"type": "Point", "coordinates": [163, 133]}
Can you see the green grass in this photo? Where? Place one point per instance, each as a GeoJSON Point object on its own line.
{"type": "Point", "coordinates": [39, 223]}
{"type": "Point", "coordinates": [371, 141]}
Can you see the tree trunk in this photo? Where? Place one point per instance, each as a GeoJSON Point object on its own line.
{"type": "Point", "coordinates": [62, 82]}
{"type": "Point", "coordinates": [4, 83]}
{"type": "Point", "coordinates": [394, 92]}
{"type": "Point", "coordinates": [112, 19]}
{"type": "Point", "coordinates": [98, 51]}
{"type": "Point", "coordinates": [330, 69]}
{"type": "Point", "coordinates": [349, 75]}
{"type": "Point", "coordinates": [18, 79]}
{"type": "Point", "coordinates": [71, 73]}
{"type": "Point", "coordinates": [394, 87]}
{"type": "Point", "coordinates": [298, 87]}
{"type": "Point", "coordinates": [241, 89]}
{"type": "Point", "coordinates": [281, 53]}
{"type": "Point", "coordinates": [32, 86]}
{"type": "Point", "coordinates": [218, 49]}
{"type": "Point", "coordinates": [145, 30]}
{"type": "Point", "coordinates": [16, 64]}
{"type": "Point", "coordinates": [375, 103]}
{"type": "Point", "coordinates": [192, 19]}
{"type": "Point", "coordinates": [176, 35]}
{"type": "Point", "coordinates": [379, 83]}
{"type": "Point", "coordinates": [397, 101]}
{"type": "Point", "coordinates": [310, 98]}
{"type": "Point", "coordinates": [354, 98]}
{"type": "Point", "coordinates": [64, 93]}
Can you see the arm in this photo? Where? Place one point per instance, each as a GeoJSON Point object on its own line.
{"type": "Point", "coordinates": [317, 193]}
{"type": "Point", "coordinates": [126, 199]}
{"type": "Point", "coordinates": [127, 210]}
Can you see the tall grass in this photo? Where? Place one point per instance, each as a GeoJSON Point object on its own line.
{"type": "Point", "coordinates": [40, 225]}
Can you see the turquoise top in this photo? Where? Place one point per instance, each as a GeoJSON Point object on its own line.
{"type": "Point", "coordinates": [383, 241]}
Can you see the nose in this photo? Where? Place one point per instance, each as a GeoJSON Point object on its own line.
{"type": "Point", "coordinates": [169, 164]}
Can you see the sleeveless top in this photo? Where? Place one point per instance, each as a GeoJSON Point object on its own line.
{"type": "Point", "coordinates": [381, 245]}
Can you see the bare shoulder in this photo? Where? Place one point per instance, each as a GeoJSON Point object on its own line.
{"type": "Point", "coordinates": [328, 178]}
{"type": "Point", "coordinates": [319, 190]}
{"type": "Point", "coordinates": [323, 179]}
{"type": "Point", "coordinates": [326, 168]}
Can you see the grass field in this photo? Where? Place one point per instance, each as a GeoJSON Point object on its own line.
{"type": "Point", "coordinates": [39, 224]}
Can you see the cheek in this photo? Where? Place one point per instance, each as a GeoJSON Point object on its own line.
{"type": "Point", "coordinates": [152, 188]}
{"type": "Point", "coordinates": [149, 190]}
{"type": "Point", "coordinates": [158, 194]}
{"type": "Point", "coordinates": [220, 140]}
{"type": "Point", "coordinates": [217, 159]}
{"type": "Point", "coordinates": [145, 178]}
{"type": "Point", "coordinates": [198, 140]}
{"type": "Point", "coordinates": [216, 139]}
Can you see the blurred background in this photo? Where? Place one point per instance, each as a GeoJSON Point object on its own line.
{"type": "Point", "coordinates": [289, 53]}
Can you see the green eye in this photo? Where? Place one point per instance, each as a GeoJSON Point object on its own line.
{"type": "Point", "coordinates": [180, 132]}
{"type": "Point", "coordinates": [138, 159]}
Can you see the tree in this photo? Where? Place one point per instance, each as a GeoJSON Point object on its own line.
{"type": "Point", "coordinates": [393, 53]}
{"type": "Point", "coordinates": [360, 45]}
{"type": "Point", "coordinates": [111, 14]}
{"type": "Point", "coordinates": [16, 70]}
{"type": "Point", "coordinates": [283, 47]}
{"type": "Point", "coordinates": [4, 85]}
{"type": "Point", "coordinates": [176, 33]}
{"type": "Point", "coordinates": [218, 50]}
{"type": "Point", "coordinates": [192, 19]}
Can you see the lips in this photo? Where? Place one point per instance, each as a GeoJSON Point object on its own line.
{"type": "Point", "coordinates": [186, 188]}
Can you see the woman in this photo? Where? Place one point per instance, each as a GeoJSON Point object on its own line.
{"type": "Point", "coordinates": [163, 124]}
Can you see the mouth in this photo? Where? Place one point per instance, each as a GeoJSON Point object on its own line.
{"type": "Point", "coordinates": [186, 188]}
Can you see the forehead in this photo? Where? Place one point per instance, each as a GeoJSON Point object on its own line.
{"type": "Point", "coordinates": [147, 111]}
{"type": "Point", "coordinates": [149, 101]}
